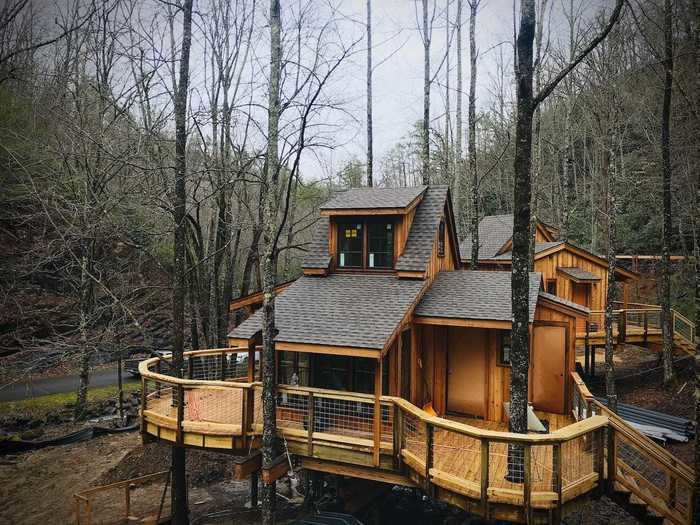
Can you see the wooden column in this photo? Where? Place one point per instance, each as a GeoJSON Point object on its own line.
{"type": "Point", "coordinates": [377, 411]}
{"type": "Point", "coordinates": [593, 349]}
{"type": "Point", "coordinates": [611, 459]}
{"type": "Point", "coordinates": [254, 490]}
{"type": "Point", "coordinates": [485, 478]}
{"type": "Point", "coordinates": [251, 362]}
{"type": "Point", "coordinates": [415, 371]}
{"type": "Point", "coordinates": [311, 409]}
{"type": "Point", "coordinates": [587, 347]}
{"type": "Point", "coordinates": [557, 479]}
{"type": "Point", "coordinates": [527, 483]}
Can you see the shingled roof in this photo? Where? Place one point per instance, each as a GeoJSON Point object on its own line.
{"type": "Point", "coordinates": [467, 294]}
{"type": "Point", "coordinates": [539, 247]}
{"type": "Point", "coordinates": [578, 274]}
{"type": "Point", "coordinates": [419, 245]}
{"type": "Point", "coordinates": [317, 255]}
{"type": "Point", "coordinates": [494, 232]}
{"type": "Point", "coordinates": [360, 311]}
{"type": "Point", "coordinates": [373, 198]}
{"type": "Point", "coordinates": [583, 310]}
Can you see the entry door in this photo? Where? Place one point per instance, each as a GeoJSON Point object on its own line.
{"type": "Point", "coordinates": [549, 368]}
{"type": "Point", "coordinates": [466, 370]}
{"type": "Point", "coordinates": [581, 294]}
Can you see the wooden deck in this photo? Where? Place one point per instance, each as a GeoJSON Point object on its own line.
{"type": "Point", "coordinates": [471, 463]}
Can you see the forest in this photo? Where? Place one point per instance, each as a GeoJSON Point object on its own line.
{"type": "Point", "coordinates": [160, 159]}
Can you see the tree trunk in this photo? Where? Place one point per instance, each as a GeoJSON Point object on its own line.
{"type": "Point", "coordinates": [269, 265]}
{"type": "Point", "coordinates": [612, 263]}
{"type": "Point", "coordinates": [474, 263]}
{"type": "Point", "coordinates": [696, 245]}
{"type": "Point", "coordinates": [459, 166]}
{"type": "Point", "coordinates": [666, 317]}
{"type": "Point", "coordinates": [370, 181]}
{"type": "Point", "coordinates": [425, 138]}
{"type": "Point", "coordinates": [447, 164]}
{"type": "Point", "coordinates": [179, 480]}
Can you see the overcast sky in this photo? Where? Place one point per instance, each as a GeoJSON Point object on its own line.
{"type": "Point", "coordinates": [398, 76]}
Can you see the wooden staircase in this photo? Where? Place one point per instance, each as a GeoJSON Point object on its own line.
{"type": "Point", "coordinates": [635, 506]}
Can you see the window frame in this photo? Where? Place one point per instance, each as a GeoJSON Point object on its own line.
{"type": "Point", "coordinates": [546, 286]}
{"type": "Point", "coordinates": [365, 222]}
{"type": "Point", "coordinates": [500, 360]}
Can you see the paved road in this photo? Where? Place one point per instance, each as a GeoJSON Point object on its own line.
{"type": "Point", "coordinates": [57, 385]}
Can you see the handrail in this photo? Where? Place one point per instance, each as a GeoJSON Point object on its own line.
{"type": "Point", "coordinates": [414, 437]}
{"type": "Point", "coordinates": [660, 453]}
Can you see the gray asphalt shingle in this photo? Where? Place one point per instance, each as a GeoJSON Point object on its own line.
{"type": "Point", "coordinates": [466, 294]}
{"type": "Point", "coordinates": [373, 198]}
{"type": "Point", "coordinates": [339, 310]}
{"type": "Point", "coordinates": [419, 245]}
{"type": "Point", "coordinates": [539, 247]}
{"type": "Point", "coordinates": [578, 273]}
{"type": "Point", "coordinates": [494, 232]}
{"type": "Point", "coordinates": [317, 254]}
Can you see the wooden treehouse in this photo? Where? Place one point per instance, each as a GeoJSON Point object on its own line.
{"type": "Point", "coordinates": [393, 365]}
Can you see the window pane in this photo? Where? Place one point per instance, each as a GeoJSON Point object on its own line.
{"type": "Point", "coordinates": [350, 245]}
{"type": "Point", "coordinates": [380, 245]}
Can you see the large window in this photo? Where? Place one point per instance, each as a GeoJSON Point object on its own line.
{"type": "Point", "coordinates": [366, 243]}
{"type": "Point", "coordinates": [350, 244]}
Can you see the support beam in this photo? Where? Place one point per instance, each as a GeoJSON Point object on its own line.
{"type": "Point", "coordinates": [377, 411]}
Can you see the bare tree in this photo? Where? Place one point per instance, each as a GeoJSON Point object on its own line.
{"type": "Point", "coordinates": [666, 316]}
{"type": "Point", "coordinates": [526, 103]}
{"type": "Point", "coordinates": [370, 158]}
{"type": "Point", "coordinates": [425, 136]}
{"type": "Point", "coordinates": [696, 245]}
{"type": "Point", "coordinates": [459, 163]}
{"type": "Point", "coordinates": [179, 479]}
{"type": "Point", "coordinates": [474, 176]}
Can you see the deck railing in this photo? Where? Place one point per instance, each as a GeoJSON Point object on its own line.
{"type": "Point", "coordinates": [531, 471]}
{"type": "Point", "coordinates": [127, 501]}
{"type": "Point", "coordinates": [641, 321]}
{"type": "Point", "coordinates": [639, 464]}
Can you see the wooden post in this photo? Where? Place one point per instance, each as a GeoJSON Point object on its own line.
{"type": "Point", "coordinates": [587, 349]}
{"type": "Point", "coordinates": [593, 349]}
{"type": "Point", "coordinates": [612, 460]}
{"type": "Point", "coordinates": [646, 325]}
{"type": "Point", "coordinates": [190, 367]}
{"type": "Point", "coordinates": [527, 482]}
{"type": "Point", "coordinates": [485, 478]}
{"type": "Point", "coordinates": [158, 387]}
{"type": "Point", "coordinates": [622, 327]}
{"type": "Point", "coordinates": [251, 362]}
{"type": "Point", "coordinates": [223, 366]}
{"type": "Point", "coordinates": [127, 502]}
{"type": "Point", "coordinates": [310, 410]}
{"type": "Point", "coordinates": [557, 479]}
{"type": "Point", "coordinates": [429, 435]}
{"type": "Point", "coordinates": [180, 392]}
{"type": "Point", "coordinates": [377, 411]}
{"type": "Point", "coordinates": [398, 441]}
{"type": "Point", "coordinates": [672, 487]}
{"type": "Point", "coordinates": [143, 405]}
{"type": "Point", "coordinates": [253, 490]}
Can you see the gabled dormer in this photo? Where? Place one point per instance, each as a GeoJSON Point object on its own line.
{"type": "Point", "coordinates": [385, 230]}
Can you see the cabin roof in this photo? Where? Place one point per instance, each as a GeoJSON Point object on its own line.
{"type": "Point", "coordinates": [317, 255]}
{"type": "Point", "coordinates": [494, 232]}
{"type": "Point", "coordinates": [578, 274]}
{"type": "Point", "coordinates": [539, 248]}
{"type": "Point", "coordinates": [349, 310]}
{"type": "Point", "coordinates": [582, 310]}
{"type": "Point", "coordinates": [373, 198]}
{"type": "Point", "coordinates": [419, 245]}
{"type": "Point", "coordinates": [467, 294]}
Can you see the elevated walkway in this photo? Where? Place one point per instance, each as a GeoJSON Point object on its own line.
{"type": "Point", "coordinates": [528, 478]}
{"type": "Point", "coordinates": [639, 325]}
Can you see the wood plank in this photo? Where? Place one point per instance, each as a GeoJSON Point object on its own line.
{"type": "Point", "coordinates": [328, 349]}
{"type": "Point", "coordinates": [468, 323]}
{"type": "Point", "coordinates": [277, 469]}
{"type": "Point", "coordinates": [245, 466]}
{"type": "Point", "coordinates": [343, 469]}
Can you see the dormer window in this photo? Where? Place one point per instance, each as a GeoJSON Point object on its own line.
{"type": "Point", "coordinates": [366, 243]}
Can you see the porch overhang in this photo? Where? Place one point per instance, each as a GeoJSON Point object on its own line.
{"type": "Point", "coordinates": [371, 353]}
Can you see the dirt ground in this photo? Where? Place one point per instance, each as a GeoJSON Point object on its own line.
{"type": "Point", "coordinates": [38, 487]}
